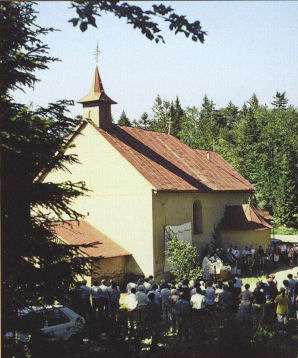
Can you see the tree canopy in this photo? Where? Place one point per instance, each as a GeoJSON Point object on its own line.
{"type": "Point", "coordinates": [36, 269]}
{"type": "Point", "coordinates": [259, 142]}
{"type": "Point", "coordinates": [147, 21]}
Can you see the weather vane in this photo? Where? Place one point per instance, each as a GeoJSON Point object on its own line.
{"type": "Point", "coordinates": [97, 53]}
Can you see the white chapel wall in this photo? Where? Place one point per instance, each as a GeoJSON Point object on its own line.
{"type": "Point", "coordinates": [120, 203]}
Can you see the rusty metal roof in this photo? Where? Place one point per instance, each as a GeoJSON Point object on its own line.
{"type": "Point", "coordinates": [170, 165]}
{"type": "Point", "coordinates": [81, 232]}
{"type": "Point", "coordinates": [244, 217]}
{"type": "Point", "coordinates": [97, 92]}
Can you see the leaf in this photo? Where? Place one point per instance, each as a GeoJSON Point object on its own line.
{"type": "Point", "coordinates": [74, 21]}
{"type": "Point", "coordinates": [83, 26]}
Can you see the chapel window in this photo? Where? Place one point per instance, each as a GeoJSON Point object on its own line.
{"type": "Point", "coordinates": [197, 217]}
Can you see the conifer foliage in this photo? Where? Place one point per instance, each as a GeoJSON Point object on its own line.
{"type": "Point", "coordinates": [259, 142]}
{"type": "Point", "coordinates": [123, 120]}
{"type": "Point", "coordinates": [36, 269]}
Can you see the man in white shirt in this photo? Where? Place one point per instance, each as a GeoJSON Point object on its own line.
{"type": "Point", "coordinates": [206, 266]}
{"type": "Point", "coordinates": [96, 295]}
{"type": "Point", "coordinates": [105, 295]}
{"type": "Point", "coordinates": [252, 251]}
{"type": "Point", "coordinates": [198, 304]}
{"type": "Point", "coordinates": [130, 285]}
{"type": "Point", "coordinates": [198, 300]}
{"type": "Point", "coordinates": [131, 304]}
{"type": "Point", "coordinates": [147, 285]}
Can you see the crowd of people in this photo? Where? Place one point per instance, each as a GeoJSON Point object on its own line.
{"type": "Point", "coordinates": [250, 260]}
{"type": "Point", "coordinates": [184, 308]}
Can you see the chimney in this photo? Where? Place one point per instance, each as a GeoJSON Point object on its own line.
{"type": "Point", "coordinates": [208, 155]}
{"type": "Point", "coordinates": [97, 105]}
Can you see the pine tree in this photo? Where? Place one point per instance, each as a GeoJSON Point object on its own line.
{"type": "Point", "coordinates": [253, 102]}
{"type": "Point", "coordinates": [35, 268]}
{"type": "Point", "coordinates": [123, 120]}
{"type": "Point", "coordinates": [145, 121]}
{"type": "Point", "coordinates": [176, 117]}
{"type": "Point", "coordinates": [280, 101]}
{"type": "Point", "coordinates": [189, 127]}
{"type": "Point", "coordinates": [161, 115]}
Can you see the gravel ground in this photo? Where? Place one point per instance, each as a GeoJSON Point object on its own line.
{"type": "Point", "coordinates": [279, 276]}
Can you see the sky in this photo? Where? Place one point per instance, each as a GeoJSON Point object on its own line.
{"type": "Point", "coordinates": [251, 47]}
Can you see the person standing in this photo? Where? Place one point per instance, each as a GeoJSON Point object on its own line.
{"type": "Point", "coordinates": [183, 315]}
{"type": "Point", "coordinates": [259, 300]}
{"type": "Point", "coordinates": [293, 287]}
{"type": "Point", "coordinates": [206, 267]}
{"type": "Point", "coordinates": [131, 304]}
{"type": "Point", "coordinates": [130, 285]}
{"type": "Point", "coordinates": [142, 306]}
{"type": "Point", "coordinates": [261, 258]}
{"type": "Point", "coordinates": [269, 256]}
{"type": "Point", "coordinates": [156, 294]}
{"type": "Point", "coordinates": [270, 293]}
{"type": "Point", "coordinates": [210, 297]}
{"type": "Point", "coordinates": [105, 296]}
{"type": "Point", "coordinates": [96, 298]}
{"type": "Point", "coordinates": [238, 284]}
{"type": "Point", "coordinates": [198, 305]}
{"type": "Point", "coordinates": [276, 255]}
{"type": "Point", "coordinates": [153, 319]}
{"type": "Point", "coordinates": [114, 298]}
{"type": "Point", "coordinates": [173, 299]}
{"type": "Point", "coordinates": [85, 300]}
{"type": "Point", "coordinates": [282, 309]}
{"type": "Point", "coordinates": [165, 304]}
{"type": "Point", "coordinates": [245, 303]}
{"type": "Point", "coordinates": [226, 301]}
{"type": "Point", "coordinates": [147, 285]}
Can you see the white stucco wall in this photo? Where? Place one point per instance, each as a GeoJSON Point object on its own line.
{"type": "Point", "coordinates": [120, 204]}
{"type": "Point", "coordinates": [177, 209]}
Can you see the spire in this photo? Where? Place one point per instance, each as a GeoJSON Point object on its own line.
{"type": "Point", "coordinates": [97, 92]}
{"type": "Point", "coordinates": [97, 105]}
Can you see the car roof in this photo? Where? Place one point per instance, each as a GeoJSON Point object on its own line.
{"type": "Point", "coordinates": [28, 310]}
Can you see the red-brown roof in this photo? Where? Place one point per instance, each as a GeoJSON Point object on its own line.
{"type": "Point", "coordinates": [170, 165]}
{"type": "Point", "coordinates": [97, 92]}
{"type": "Point", "coordinates": [243, 217]}
{"type": "Point", "coordinates": [76, 233]}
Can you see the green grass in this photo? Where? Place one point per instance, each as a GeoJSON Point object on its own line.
{"type": "Point", "coordinates": [283, 230]}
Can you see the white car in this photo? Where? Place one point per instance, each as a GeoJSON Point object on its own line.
{"type": "Point", "coordinates": [58, 322]}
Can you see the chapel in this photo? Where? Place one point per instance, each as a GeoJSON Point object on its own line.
{"type": "Point", "coordinates": [145, 183]}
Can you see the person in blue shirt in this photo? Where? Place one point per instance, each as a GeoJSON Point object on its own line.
{"type": "Point", "coordinates": [85, 300]}
{"type": "Point", "coordinates": [183, 316]}
{"type": "Point", "coordinates": [153, 319]}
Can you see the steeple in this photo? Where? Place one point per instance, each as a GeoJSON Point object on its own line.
{"type": "Point", "coordinates": [97, 105]}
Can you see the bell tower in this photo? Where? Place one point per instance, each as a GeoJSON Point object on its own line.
{"type": "Point", "coordinates": [97, 105]}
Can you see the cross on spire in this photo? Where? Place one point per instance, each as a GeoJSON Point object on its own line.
{"type": "Point", "coordinates": [169, 122]}
{"type": "Point", "coordinates": [97, 53]}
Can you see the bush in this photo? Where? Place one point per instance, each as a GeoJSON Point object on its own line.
{"type": "Point", "coordinates": [183, 258]}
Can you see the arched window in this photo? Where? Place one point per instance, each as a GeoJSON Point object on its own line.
{"type": "Point", "coordinates": [197, 217]}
